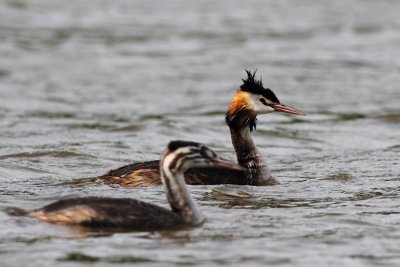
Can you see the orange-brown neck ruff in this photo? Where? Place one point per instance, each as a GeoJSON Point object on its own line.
{"type": "Point", "coordinates": [240, 113]}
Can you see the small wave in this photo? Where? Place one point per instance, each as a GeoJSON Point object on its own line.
{"type": "Point", "coordinates": [56, 154]}
{"type": "Point", "coordinates": [14, 211]}
{"type": "Point", "coordinates": [81, 257]}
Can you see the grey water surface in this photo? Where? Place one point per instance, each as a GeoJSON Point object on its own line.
{"type": "Point", "coordinates": [86, 86]}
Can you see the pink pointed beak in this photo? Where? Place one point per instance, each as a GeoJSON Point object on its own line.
{"type": "Point", "coordinates": [287, 109]}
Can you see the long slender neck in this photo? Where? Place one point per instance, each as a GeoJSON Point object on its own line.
{"type": "Point", "coordinates": [179, 197]}
{"type": "Point", "coordinates": [257, 171]}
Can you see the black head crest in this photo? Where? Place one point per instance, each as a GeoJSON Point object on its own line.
{"type": "Point", "coordinates": [174, 145]}
{"type": "Point", "coordinates": [254, 86]}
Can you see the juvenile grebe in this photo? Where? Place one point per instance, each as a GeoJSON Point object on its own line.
{"type": "Point", "coordinates": [250, 100]}
{"type": "Point", "coordinates": [134, 214]}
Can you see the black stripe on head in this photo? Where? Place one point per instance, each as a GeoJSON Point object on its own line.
{"type": "Point", "coordinates": [182, 157]}
{"type": "Point", "coordinates": [184, 160]}
{"type": "Point", "coordinates": [256, 87]}
{"type": "Point", "coordinates": [174, 145]}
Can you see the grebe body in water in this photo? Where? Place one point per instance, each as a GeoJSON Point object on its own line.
{"type": "Point", "coordinates": [249, 101]}
{"type": "Point", "coordinates": [134, 214]}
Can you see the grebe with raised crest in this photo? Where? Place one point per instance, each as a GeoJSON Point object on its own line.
{"type": "Point", "coordinates": [250, 100]}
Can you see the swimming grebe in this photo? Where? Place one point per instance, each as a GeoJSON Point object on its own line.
{"type": "Point", "coordinates": [134, 214]}
{"type": "Point", "coordinates": [250, 100]}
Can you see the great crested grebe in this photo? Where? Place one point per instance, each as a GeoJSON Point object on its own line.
{"type": "Point", "coordinates": [134, 214]}
{"type": "Point", "coordinates": [250, 100]}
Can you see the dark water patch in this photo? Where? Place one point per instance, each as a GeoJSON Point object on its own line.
{"type": "Point", "coordinates": [156, 54]}
{"type": "Point", "coordinates": [37, 38]}
{"type": "Point", "coordinates": [329, 64]}
{"type": "Point", "coordinates": [302, 78]}
{"type": "Point", "coordinates": [341, 177]}
{"type": "Point", "coordinates": [79, 257]}
{"type": "Point", "coordinates": [108, 117]}
{"type": "Point", "coordinates": [292, 35]}
{"type": "Point", "coordinates": [324, 214]}
{"type": "Point", "coordinates": [4, 112]}
{"type": "Point", "coordinates": [18, 171]}
{"type": "Point", "coordinates": [390, 190]}
{"type": "Point", "coordinates": [17, 4]}
{"type": "Point", "coordinates": [230, 201]}
{"type": "Point", "coordinates": [127, 259]}
{"type": "Point", "coordinates": [95, 232]}
{"type": "Point", "coordinates": [287, 133]}
{"type": "Point", "coordinates": [366, 195]}
{"type": "Point", "coordinates": [4, 73]}
{"type": "Point", "coordinates": [322, 111]}
{"type": "Point", "coordinates": [111, 38]}
{"type": "Point", "coordinates": [367, 28]}
{"type": "Point", "coordinates": [374, 258]}
{"type": "Point", "coordinates": [267, 203]}
{"type": "Point", "coordinates": [58, 36]}
{"type": "Point", "coordinates": [14, 211]}
{"type": "Point", "coordinates": [41, 37]}
{"type": "Point", "coordinates": [84, 258]}
{"type": "Point", "coordinates": [247, 261]}
{"type": "Point", "coordinates": [17, 193]}
{"type": "Point", "coordinates": [70, 115]}
{"type": "Point", "coordinates": [353, 64]}
{"type": "Point", "coordinates": [291, 170]}
{"type": "Point", "coordinates": [292, 121]}
{"type": "Point", "coordinates": [380, 213]}
{"type": "Point", "coordinates": [212, 113]}
{"type": "Point", "coordinates": [120, 144]}
{"type": "Point", "coordinates": [205, 35]}
{"type": "Point", "coordinates": [350, 116]}
{"type": "Point", "coordinates": [60, 100]}
{"type": "Point", "coordinates": [28, 241]}
{"type": "Point", "coordinates": [79, 181]}
{"type": "Point", "coordinates": [279, 132]}
{"type": "Point", "coordinates": [306, 63]}
{"type": "Point", "coordinates": [225, 191]}
{"type": "Point", "coordinates": [90, 126]}
{"type": "Point", "coordinates": [251, 205]}
{"type": "Point", "coordinates": [55, 154]}
{"type": "Point", "coordinates": [49, 115]}
{"type": "Point", "coordinates": [129, 128]}
{"type": "Point", "coordinates": [358, 222]}
{"type": "Point", "coordinates": [395, 148]}
{"type": "Point", "coordinates": [182, 261]}
{"type": "Point", "coordinates": [151, 117]}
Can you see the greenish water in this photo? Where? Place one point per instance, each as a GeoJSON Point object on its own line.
{"type": "Point", "coordinates": [87, 86]}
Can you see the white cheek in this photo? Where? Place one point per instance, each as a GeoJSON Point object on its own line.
{"type": "Point", "coordinates": [266, 109]}
{"type": "Point", "coordinates": [169, 158]}
{"type": "Point", "coordinates": [259, 107]}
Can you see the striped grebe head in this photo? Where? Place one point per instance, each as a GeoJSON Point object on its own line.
{"type": "Point", "coordinates": [183, 155]}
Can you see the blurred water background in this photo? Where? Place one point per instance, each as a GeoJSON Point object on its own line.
{"type": "Point", "coordinates": [86, 86]}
